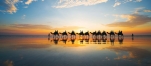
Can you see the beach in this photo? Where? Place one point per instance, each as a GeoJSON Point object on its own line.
{"type": "Point", "coordinates": [39, 50]}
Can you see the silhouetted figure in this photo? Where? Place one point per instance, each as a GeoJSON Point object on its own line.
{"type": "Point", "coordinates": [98, 34]}
{"type": "Point", "coordinates": [104, 35]}
{"type": "Point", "coordinates": [120, 34]}
{"type": "Point", "coordinates": [64, 34]}
{"type": "Point", "coordinates": [55, 34]}
{"type": "Point", "coordinates": [72, 34]}
{"type": "Point", "coordinates": [49, 36]}
{"type": "Point", "coordinates": [86, 34]}
{"type": "Point", "coordinates": [132, 36]}
{"type": "Point", "coordinates": [94, 34]}
{"type": "Point", "coordinates": [112, 34]}
{"type": "Point", "coordinates": [81, 34]}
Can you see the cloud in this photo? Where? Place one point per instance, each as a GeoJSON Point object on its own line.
{"type": "Point", "coordinates": [119, 2]}
{"type": "Point", "coordinates": [28, 2]}
{"type": "Point", "coordinates": [72, 3]}
{"type": "Point", "coordinates": [132, 20]}
{"type": "Point", "coordinates": [116, 4]}
{"type": "Point", "coordinates": [30, 26]}
{"type": "Point", "coordinates": [9, 6]}
{"type": "Point", "coordinates": [137, 10]}
{"type": "Point", "coordinates": [138, 0]}
{"type": "Point", "coordinates": [147, 10]}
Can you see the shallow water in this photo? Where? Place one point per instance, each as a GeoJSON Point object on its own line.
{"type": "Point", "coordinates": [44, 51]}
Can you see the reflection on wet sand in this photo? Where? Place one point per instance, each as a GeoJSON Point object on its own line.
{"type": "Point", "coordinates": [132, 53]}
{"type": "Point", "coordinates": [8, 63]}
{"type": "Point", "coordinates": [83, 40]}
{"type": "Point", "coordinates": [106, 51]}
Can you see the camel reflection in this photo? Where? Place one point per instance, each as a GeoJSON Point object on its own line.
{"type": "Point", "coordinates": [64, 40]}
{"type": "Point", "coordinates": [94, 40]}
{"type": "Point", "coordinates": [104, 40]}
{"type": "Point", "coordinates": [72, 40]}
{"type": "Point", "coordinates": [120, 39]}
{"type": "Point", "coordinates": [112, 40]}
{"type": "Point", "coordinates": [55, 40]}
{"type": "Point", "coordinates": [81, 39]}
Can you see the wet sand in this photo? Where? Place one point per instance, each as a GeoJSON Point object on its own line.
{"type": "Point", "coordinates": [44, 51]}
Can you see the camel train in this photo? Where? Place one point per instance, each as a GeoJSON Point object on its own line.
{"type": "Point", "coordinates": [95, 34]}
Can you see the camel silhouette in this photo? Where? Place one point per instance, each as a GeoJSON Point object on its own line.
{"type": "Point", "coordinates": [112, 34]}
{"type": "Point", "coordinates": [87, 34]}
{"type": "Point", "coordinates": [94, 34]}
{"type": "Point", "coordinates": [98, 34]}
{"type": "Point", "coordinates": [120, 33]}
{"type": "Point", "coordinates": [104, 35]}
{"type": "Point", "coordinates": [64, 34]}
{"type": "Point", "coordinates": [81, 34]}
{"type": "Point", "coordinates": [132, 36]}
{"type": "Point", "coordinates": [55, 34]}
{"type": "Point", "coordinates": [72, 34]}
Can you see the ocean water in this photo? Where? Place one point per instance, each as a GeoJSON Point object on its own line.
{"type": "Point", "coordinates": [39, 50]}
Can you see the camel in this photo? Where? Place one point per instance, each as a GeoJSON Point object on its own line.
{"type": "Point", "coordinates": [98, 34]}
{"type": "Point", "coordinates": [112, 34]}
{"type": "Point", "coordinates": [73, 34]}
{"type": "Point", "coordinates": [87, 34]}
{"type": "Point", "coordinates": [64, 34]}
{"type": "Point", "coordinates": [104, 35]}
{"type": "Point", "coordinates": [81, 33]}
{"type": "Point", "coordinates": [119, 33]}
{"type": "Point", "coordinates": [94, 34]}
{"type": "Point", "coordinates": [55, 34]}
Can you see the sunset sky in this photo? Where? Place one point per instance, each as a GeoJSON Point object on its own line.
{"type": "Point", "coordinates": [39, 17]}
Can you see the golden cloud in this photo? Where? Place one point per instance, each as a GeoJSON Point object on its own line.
{"type": "Point", "coordinates": [10, 6]}
{"type": "Point", "coordinates": [132, 21]}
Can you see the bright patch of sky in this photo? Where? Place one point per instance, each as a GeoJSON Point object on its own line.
{"type": "Point", "coordinates": [83, 13]}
